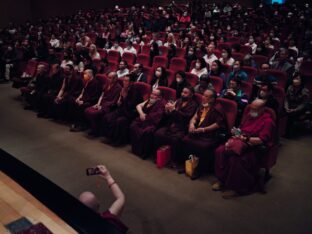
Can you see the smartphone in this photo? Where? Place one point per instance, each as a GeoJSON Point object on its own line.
{"type": "Point", "coordinates": [92, 171]}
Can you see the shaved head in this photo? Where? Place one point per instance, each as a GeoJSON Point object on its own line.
{"type": "Point", "coordinates": [90, 200]}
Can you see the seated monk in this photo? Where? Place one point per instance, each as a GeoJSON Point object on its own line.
{"type": "Point", "coordinates": [141, 130]}
{"type": "Point", "coordinates": [54, 83]}
{"type": "Point", "coordinates": [69, 91]}
{"type": "Point", "coordinates": [115, 124]}
{"type": "Point", "coordinates": [107, 100]}
{"type": "Point", "coordinates": [238, 170]}
{"type": "Point", "coordinates": [201, 138]}
{"type": "Point", "coordinates": [179, 115]}
{"type": "Point", "coordinates": [35, 89]}
{"type": "Point", "coordinates": [88, 97]}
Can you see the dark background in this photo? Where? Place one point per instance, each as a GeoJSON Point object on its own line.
{"type": "Point", "coordinates": [18, 11]}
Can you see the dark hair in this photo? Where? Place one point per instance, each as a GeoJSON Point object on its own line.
{"type": "Point", "coordinates": [191, 88]}
{"type": "Point", "coordinates": [70, 66]}
{"type": "Point", "coordinates": [205, 77]}
{"type": "Point", "coordinates": [228, 51]}
{"type": "Point", "coordinates": [220, 67]}
{"type": "Point", "coordinates": [124, 61]}
{"type": "Point", "coordinates": [202, 62]}
{"type": "Point", "coordinates": [131, 76]}
{"type": "Point", "coordinates": [181, 73]}
{"type": "Point", "coordinates": [236, 47]}
{"type": "Point", "coordinates": [237, 79]}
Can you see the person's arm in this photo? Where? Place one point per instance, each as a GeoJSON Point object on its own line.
{"type": "Point", "coordinates": [117, 206]}
{"type": "Point", "coordinates": [192, 123]}
{"type": "Point", "coordinates": [61, 92]}
{"type": "Point", "coordinates": [139, 109]}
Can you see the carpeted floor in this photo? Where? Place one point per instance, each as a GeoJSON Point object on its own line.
{"type": "Point", "coordinates": [160, 201]}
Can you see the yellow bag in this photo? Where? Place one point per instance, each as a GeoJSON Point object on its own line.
{"type": "Point", "coordinates": [190, 165]}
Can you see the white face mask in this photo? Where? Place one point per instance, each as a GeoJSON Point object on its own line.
{"type": "Point", "coordinates": [179, 80]}
{"type": "Point", "coordinates": [224, 55]}
{"type": "Point", "coordinates": [205, 104]}
{"type": "Point", "coordinates": [158, 73]}
{"type": "Point", "coordinates": [235, 67]}
{"type": "Point", "coordinates": [197, 66]}
{"type": "Point", "coordinates": [254, 114]}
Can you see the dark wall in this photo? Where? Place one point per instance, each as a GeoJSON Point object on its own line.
{"type": "Point", "coordinates": [19, 11]}
{"type": "Point", "coordinates": [14, 11]}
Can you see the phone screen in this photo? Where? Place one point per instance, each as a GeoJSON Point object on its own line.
{"type": "Point", "coordinates": [92, 171]}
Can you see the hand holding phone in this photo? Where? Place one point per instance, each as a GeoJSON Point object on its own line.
{"type": "Point", "coordinates": [92, 171]}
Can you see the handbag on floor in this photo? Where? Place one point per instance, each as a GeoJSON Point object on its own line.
{"type": "Point", "coordinates": [163, 156]}
{"type": "Point", "coordinates": [191, 164]}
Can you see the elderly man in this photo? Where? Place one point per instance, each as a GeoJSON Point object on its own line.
{"type": "Point", "coordinates": [108, 98]}
{"type": "Point", "coordinates": [203, 127]}
{"type": "Point", "coordinates": [141, 130]}
{"type": "Point", "coordinates": [88, 97]}
{"type": "Point", "coordinates": [116, 123]}
{"type": "Point", "coordinates": [179, 114]}
{"type": "Point", "coordinates": [238, 174]}
{"type": "Point", "coordinates": [70, 90]}
{"type": "Point", "coordinates": [36, 88]}
{"type": "Point", "coordinates": [114, 212]}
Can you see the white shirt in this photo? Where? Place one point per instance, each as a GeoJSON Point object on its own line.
{"type": "Point", "coordinates": [229, 62]}
{"type": "Point", "coordinates": [167, 44]}
{"type": "Point", "coordinates": [253, 47]}
{"type": "Point", "coordinates": [55, 43]}
{"type": "Point", "coordinates": [119, 49]}
{"type": "Point", "coordinates": [209, 59]}
{"type": "Point", "coordinates": [200, 72]}
{"type": "Point", "coordinates": [131, 50]}
{"type": "Point", "coordinates": [122, 73]}
{"type": "Point", "coordinates": [64, 63]}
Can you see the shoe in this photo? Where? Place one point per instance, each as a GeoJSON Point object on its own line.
{"type": "Point", "coordinates": [229, 194]}
{"type": "Point", "coordinates": [217, 186]}
{"type": "Point", "coordinates": [196, 174]}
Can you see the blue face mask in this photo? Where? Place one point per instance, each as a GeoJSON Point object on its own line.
{"type": "Point", "coordinates": [254, 114]}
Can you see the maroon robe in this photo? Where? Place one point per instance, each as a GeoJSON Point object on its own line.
{"type": "Point", "coordinates": [240, 173]}
{"type": "Point", "coordinates": [176, 128]}
{"type": "Point", "coordinates": [116, 123]}
{"type": "Point", "coordinates": [91, 93]}
{"type": "Point", "coordinates": [73, 87]}
{"type": "Point", "coordinates": [202, 144]}
{"type": "Point", "coordinates": [141, 132]}
{"type": "Point", "coordinates": [111, 95]}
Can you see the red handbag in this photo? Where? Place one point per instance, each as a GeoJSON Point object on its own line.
{"type": "Point", "coordinates": [235, 146]}
{"type": "Point", "coordinates": [163, 156]}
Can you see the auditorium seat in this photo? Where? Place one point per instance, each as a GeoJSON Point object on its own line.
{"type": "Point", "coordinates": [169, 93]}
{"type": "Point", "coordinates": [170, 76]}
{"type": "Point", "coordinates": [143, 88]}
{"type": "Point", "coordinates": [217, 83]}
{"type": "Point", "coordinates": [260, 59]}
{"type": "Point", "coordinates": [281, 77]}
{"type": "Point", "coordinates": [128, 57]}
{"type": "Point", "coordinates": [192, 79]}
{"type": "Point", "coordinates": [177, 64]}
{"type": "Point", "coordinates": [160, 61]}
{"type": "Point", "coordinates": [143, 59]}
{"type": "Point", "coordinates": [113, 56]}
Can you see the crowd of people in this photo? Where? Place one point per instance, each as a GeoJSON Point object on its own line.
{"type": "Point", "coordinates": [93, 66]}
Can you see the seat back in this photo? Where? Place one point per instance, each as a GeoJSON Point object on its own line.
{"type": "Point", "coordinates": [113, 56]}
{"type": "Point", "coordinates": [143, 88]}
{"type": "Point", "coordinates": [191, 78]}
{"type": "Point", "coordinates": [217, 83]}
{"type": "Point", "coordinates": [169, 93]}
{"type": "Point", "coordinates": [163, 50]}
{"type": "Point", "coordinates": [129, 57]}
{"type": "Point", "coordinates": [160, 61]}
{"type": "Point", "coordinates": [177, 64]}
{"type": "Point", "coordinates": [229, 108]}
{"type": "Point", "coordinates": [180, 52]}
{"type": "Point", "coordinates": [143, 59]}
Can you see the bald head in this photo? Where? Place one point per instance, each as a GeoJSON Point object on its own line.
{"type": "Point", "coordinates": [257, 108]}
{"type": "Point", "coordinates": [90, 200]}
